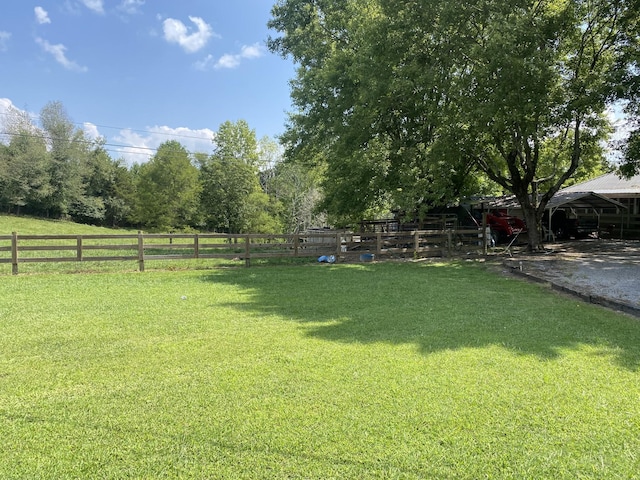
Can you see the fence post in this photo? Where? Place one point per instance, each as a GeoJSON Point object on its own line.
{"type": "Point", "coordinates": [79, 248]}
{"type": "Point", "coordinates": [416, 243]}
{"type": "Point", "coordinates": [378, 244]}
{"type": "Point", "coordinates": [449, 240]}
{"type": "Point", "coordinates": [338, 245]}
{"type": "Point", "coordinates": [14, 253]}
{"type": "Point", "coordinates": [247, 251]}
{"type": "Point", "coordinates": [196, 246]}
{"type": "Point", "coordinates": [140, 251]}
{"type": "Point", "coordinates": [296, 244]}
{"type": "Point", "coordinates": [485, 249]}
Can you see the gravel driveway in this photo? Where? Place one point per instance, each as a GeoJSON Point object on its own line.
{"type": "Point", "coordinates": [602, 271]}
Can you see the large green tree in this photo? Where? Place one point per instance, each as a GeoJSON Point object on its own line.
{"type": "Point", "coordinates": [110, 183]}
{"type": "Point", "coordinates": [168, 190]}
{"type": "Point", "coordinates": [24, 175]}
{"type": "Point", "coordinates": [68, 149]}
{"type": "Point", "coordinates": [232, 198]}
{"type": "Point", "coordinates": [297, 189]}
{"type": "Point", "coordinates": [405, 99]}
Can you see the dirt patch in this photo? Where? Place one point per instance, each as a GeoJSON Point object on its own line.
{"type": "Point", "coordinates": [595, 269]}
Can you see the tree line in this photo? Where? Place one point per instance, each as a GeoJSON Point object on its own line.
{"type": "Point", "coordinates": [53, 169]}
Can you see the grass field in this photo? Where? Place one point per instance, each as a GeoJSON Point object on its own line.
{"type": "Point", "coordinates": [383, 370]}
{"type": "Point", "coordinates": [390, 370]}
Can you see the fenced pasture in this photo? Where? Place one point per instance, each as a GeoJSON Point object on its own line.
{"type": "Point", "coordinates": [406, 370]}
{"type": "Point", "coordinates": [17, 249]}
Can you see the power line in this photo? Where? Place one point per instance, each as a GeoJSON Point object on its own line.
{"type": "Point", "coordinates": [115, 146]}
{"type": "Point", "coordinates": [178, 135]}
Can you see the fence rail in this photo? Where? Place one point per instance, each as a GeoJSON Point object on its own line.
{"type": "Point", "coordinates": [143, 247]}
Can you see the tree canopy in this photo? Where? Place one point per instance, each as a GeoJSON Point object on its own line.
{"type": "Point", "coordinates": [168, 189]}
{"type": "Point", "coordinates": [232, 199]}
{"type": "Point", "coordinates": [405, 101]}
{"type": "Point", "coordinates": [55, 170]}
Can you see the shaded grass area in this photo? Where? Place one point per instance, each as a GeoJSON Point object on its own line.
{"type": "Point", "coordinates": [394, 370]}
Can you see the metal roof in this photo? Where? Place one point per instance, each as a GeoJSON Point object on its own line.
{"type": "Point", "coordinates": [582, 200]}
{"type": "Point", "coordinates": [609, 184]}
{"type": "Point", "coordinates": [563, 199]}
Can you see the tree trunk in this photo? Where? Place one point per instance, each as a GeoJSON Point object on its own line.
{"type": "Point", "coordinates": [533, 219]}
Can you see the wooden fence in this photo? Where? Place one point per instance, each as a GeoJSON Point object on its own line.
{"type": "Point", "coordinates": [142, 247]}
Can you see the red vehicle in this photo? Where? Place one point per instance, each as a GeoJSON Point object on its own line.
{"type": "Point", "coordinates": [504, 227]}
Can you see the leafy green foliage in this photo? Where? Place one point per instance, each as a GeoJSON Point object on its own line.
{"type": "Point", "coordinates": [57, 172]}
{"type": "Point", "coordinates": [405, 100]}
{"type": "Point", "coordinates": [296, 188]}
{"type": "Point", "coordinates": [23, 173]}
{"type": "Point", "coordinates": [233, 200]}
{"type": "Point", "coordinates": [168, 190]}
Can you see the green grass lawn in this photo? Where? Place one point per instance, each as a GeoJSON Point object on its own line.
{"type": "Point", "coordinates": [390, 370]}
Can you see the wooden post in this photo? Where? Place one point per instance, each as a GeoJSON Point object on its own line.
{"type": "Point", "coordinates": [338, 245]}
{"type": "Point", "coordinates": [296, 244]}
{"type": "Point", "coordinates": [14, 253]}
{"type": "Point", "coordinates": [484, 234]}
{"type": "Point", "coordinates": [379, 244]}
{"type": "Point", "coordinates": [247, 251]}
{"type": "Point", "coordinates": [449, 240]}
{"type": "Point", "coordinates": [416, 243]}
{"type": "Point", "coordinates": [196, 246]}
{"type": "Point", "coordinates": [140, 251]}
{"type": "Point", "coordinates": [79, 248]}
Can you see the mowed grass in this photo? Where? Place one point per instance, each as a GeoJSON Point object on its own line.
{"type": "Point", "coordinates": [390, 370]}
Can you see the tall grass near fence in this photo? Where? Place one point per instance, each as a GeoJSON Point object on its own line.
{"type": "Point", "coordinates": [396, 370]}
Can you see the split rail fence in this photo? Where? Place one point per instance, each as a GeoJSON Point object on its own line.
{"type": "Point", "coordinates": [143, 247]}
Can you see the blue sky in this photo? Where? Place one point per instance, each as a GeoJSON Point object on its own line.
{"type": "Point", "coordinates": [140, 72]}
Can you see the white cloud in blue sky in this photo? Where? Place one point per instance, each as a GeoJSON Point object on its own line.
{"type": "Point", "coordinates": [229, 60]}
{"type": "Point", "coordinates": [4, 40]}
{"type": "Point", "coordinates": [141, 72]}
{"type": "Point", "coordinates": [131, 7]}
{"type": "Point", "coordinates": [42, 17]}
{"type": "Point", "coordinates": [94, 5]}
{"type": "Point", "coordinates": [140, 144]}
{"type": "Point", "coordinates": [58, 53]}
{"type": "Point", "coordinates": [191, 41]}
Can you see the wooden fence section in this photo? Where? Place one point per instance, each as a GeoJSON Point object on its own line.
{"type": "Point", "coordinates": [142, 247]}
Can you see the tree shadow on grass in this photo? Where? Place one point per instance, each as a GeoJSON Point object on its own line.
{"type": "Point", "coordinates": [434, 306]}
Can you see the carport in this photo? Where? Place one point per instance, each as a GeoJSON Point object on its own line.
{"type": "Point", "coordinates": [581, 200]}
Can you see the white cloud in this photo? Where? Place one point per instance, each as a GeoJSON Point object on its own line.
{"type": "Point", "coordinates": [252, 51]}
{"type": "Point", "coordinates": [42, 16]}
{"type": "Point", "coordinates": [138, 147]}
{"type": "Point", "coordinates": [247, 52]}
{"type": "Point", "coordinates": [228, 61]}
{"type": "Point", "coordinates": [131, 7]}
{"type": "Point", "coordinates": [95, 5]}
{"type": "Point", "coordinates": [177, 32]}
{"type": "Point", "coordinates": [91, 131]}
{"type": "Point", "coordinates": [58, 52]}
{"type": "Point", "coordinates": [4, 41]}
{"type": "Point", "coordinates": [206, 63]}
